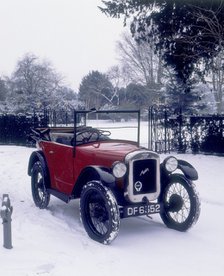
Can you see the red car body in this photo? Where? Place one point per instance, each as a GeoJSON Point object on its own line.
{"type": "Point", "coordinates": [66, 165]}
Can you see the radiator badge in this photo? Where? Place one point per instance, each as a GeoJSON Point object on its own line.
{"type": "Point", "coordinates": [138, 186]}
{"type": "Point", "coordinates": [144, 171]}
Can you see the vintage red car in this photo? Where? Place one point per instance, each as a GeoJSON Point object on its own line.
{"type": "Point", "coordinates": [113, 178]}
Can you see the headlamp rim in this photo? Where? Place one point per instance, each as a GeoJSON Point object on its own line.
{"type": "Point", "coordinates": [166, 162]}
{"type": "Point", "coordinates": [115, 164]}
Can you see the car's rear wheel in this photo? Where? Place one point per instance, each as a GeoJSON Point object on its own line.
{"type": "Point", "coordinates": [99, 212]}
{"type": "Point", "coordinates": [181, 204]}
{"type": "Point", "coordinates": [41, 196]}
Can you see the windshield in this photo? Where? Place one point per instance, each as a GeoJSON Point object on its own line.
{"type": "Point", "coordinates": [105, 124]}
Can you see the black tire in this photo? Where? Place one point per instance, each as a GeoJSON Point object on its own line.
{"type": "Point", "coordinates": [39, 179]}
{"type": "Point", "coordinates": [99, 212]}
{"type": "Point", "coordinates": [181, 204]}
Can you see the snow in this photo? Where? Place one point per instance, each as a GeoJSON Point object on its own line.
{"type": "Point", "coordinates": [3, 208]}
{"type": "Point", "coordinates": [53, 241]}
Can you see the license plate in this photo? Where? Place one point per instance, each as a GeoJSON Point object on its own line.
{"type": "Point", "coordinates": [140, 210]}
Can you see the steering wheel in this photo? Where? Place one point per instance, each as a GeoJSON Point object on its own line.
{"type": "Point", "coordinates": [87, 134]}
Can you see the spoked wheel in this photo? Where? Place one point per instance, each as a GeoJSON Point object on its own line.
{"type": "Point", "coordinates": [99, 212]}
{"type": "Point", "coordinates": [41, 196]}
{"type": "Point", "coordinates": [181, 204]}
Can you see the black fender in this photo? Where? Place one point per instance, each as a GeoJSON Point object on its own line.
{"type": "Point", "coordinates": [38, 156]}
{"type": "Point", "coordinates": [34, 157]}
{"type": "Point", "coordinates": [101, 174]}
{"type": "Point", "coordinates": [188, 170]}
{"type": "Point", "coordinates": [172, 178]}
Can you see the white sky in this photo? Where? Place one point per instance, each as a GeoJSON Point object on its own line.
{"type": "Point", "coordinates": [72, 34]}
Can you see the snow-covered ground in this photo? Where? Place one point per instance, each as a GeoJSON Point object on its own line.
{"type": "Point", "coordinates": [53, 241]}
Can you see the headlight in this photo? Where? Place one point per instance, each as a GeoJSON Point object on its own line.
{"type": "Point", "coordinates": [171, 164]}
{"type": "Point", "coordinates": [119, 169]}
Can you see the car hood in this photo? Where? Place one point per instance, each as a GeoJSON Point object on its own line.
{"type": "Point", "coordinates": [105, 153]}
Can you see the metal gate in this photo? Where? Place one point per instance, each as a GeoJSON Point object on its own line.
{"type": "Point", "coordinates": [161, 131]}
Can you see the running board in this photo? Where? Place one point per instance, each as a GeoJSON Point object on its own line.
{"type": "Point", "coordinates": [64, 197]}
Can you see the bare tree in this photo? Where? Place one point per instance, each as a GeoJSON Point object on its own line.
{"type": "Point", "coordinates": [212, 27]}
{"type": "Point", "coordinates": [140, 64]}
{"type": "Point", "coordinates": [34, 84]}
{"type": "Point", "coordinates": [3, 89]}
{"type": "Point", "coordinates": [119, 78]}
{"type": "Point", "coordinates": [139, 57]}
{"type": "Point", "coordinates": [3, 93]}
{"type": "Point", "coordinates": [215, 80]}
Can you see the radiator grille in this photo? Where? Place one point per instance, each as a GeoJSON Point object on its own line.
{"type": "Point", "coordinates": [144, 176]}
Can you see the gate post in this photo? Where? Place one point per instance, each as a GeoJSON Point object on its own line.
{"type": "Point", "coordinates": [180, 138]}
{"type": "Point", "coordinates": [6, 212]}
{"type": "Point", "coordinates": [150, 128]}
{"type": "Point", "coordinates": [165, 128]}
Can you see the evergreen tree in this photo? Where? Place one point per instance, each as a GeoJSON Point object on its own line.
{"type": "Point", "coordinates": [96, 90]}
{"type": "Point", "coordinates": [186, 32]}
{"type": "Point", "coordinates": [190, 101]}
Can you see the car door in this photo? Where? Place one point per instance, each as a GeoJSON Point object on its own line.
{"type": "Point", "coordinates": [60, 163]}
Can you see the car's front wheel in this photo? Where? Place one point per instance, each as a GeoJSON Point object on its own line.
{"type": "Point", "coordinates": [99, 212]}
{"type": "Point", "coordinates": [181, 204]}
{"type": "Point", "coordinates": [41, 196]}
